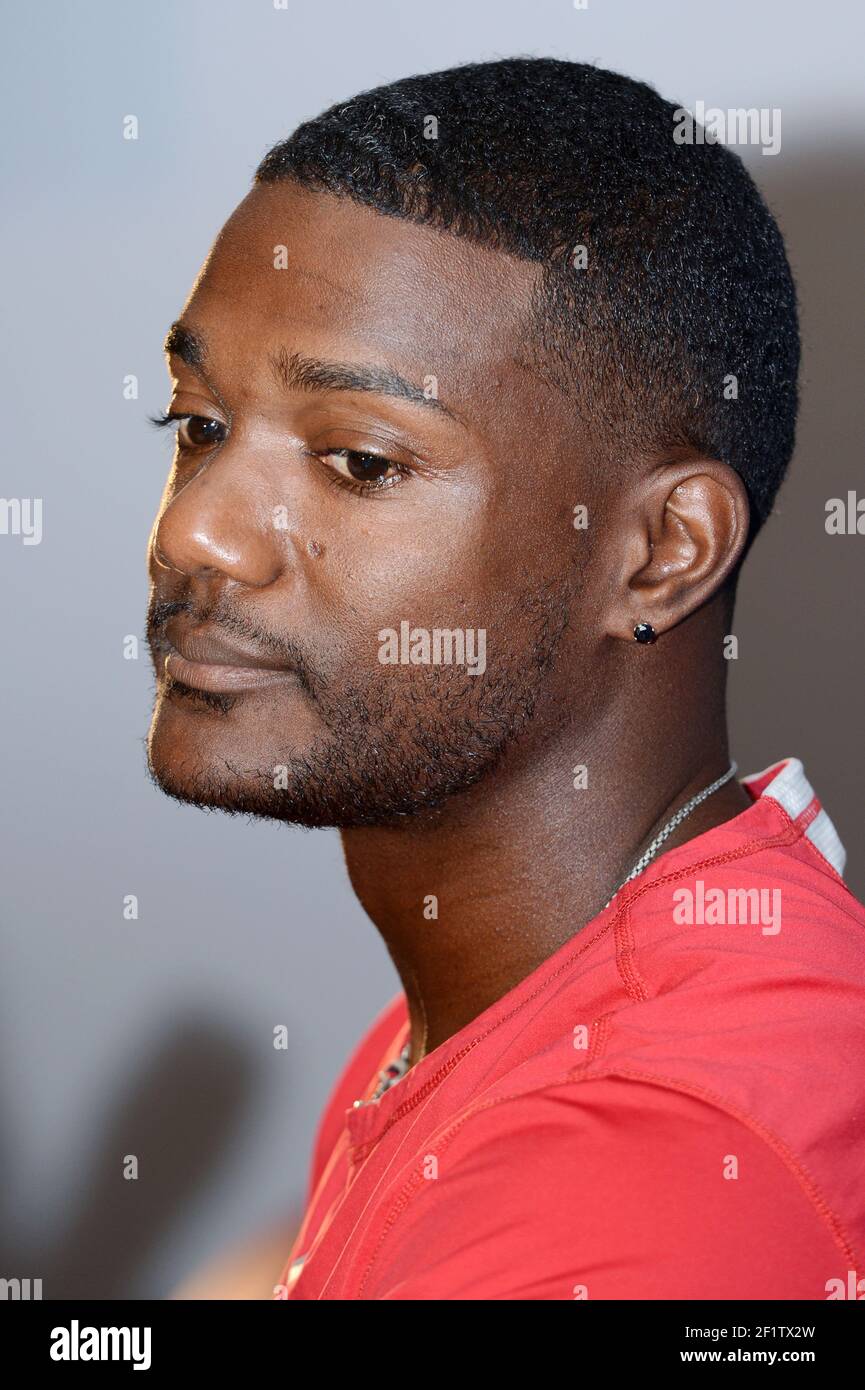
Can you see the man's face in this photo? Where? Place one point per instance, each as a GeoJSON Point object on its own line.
{"type": "Point", "coordinates": [311, 513]}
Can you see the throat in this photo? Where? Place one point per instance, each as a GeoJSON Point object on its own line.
{"type": "Point", "coordinates": [471, 906]}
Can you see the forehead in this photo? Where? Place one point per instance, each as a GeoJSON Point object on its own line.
{"type": "Point", "coordinates": [319, 273]}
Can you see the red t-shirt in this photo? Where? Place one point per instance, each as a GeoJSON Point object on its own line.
{"type": "Point", "coordinates": [670, 1106]}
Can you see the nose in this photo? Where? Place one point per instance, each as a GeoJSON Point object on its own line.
{"type": "Point", "coordinates": [215, 526]}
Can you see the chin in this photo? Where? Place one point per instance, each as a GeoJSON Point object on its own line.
{"type": "Point", "coordinates": [206, 757]}
{"type": "Point", "coordinates": [358, 762]}
{"type": "Point", "coordinates": [210, 784]}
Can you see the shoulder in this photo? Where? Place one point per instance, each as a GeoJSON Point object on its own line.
{"type": "Point", "coordinates": [734, 973]}
{"type": "Point", "coordinates": [606, 1188]}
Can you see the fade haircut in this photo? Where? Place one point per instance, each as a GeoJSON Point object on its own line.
{"type": "Point", "coordinates": [686, 281]}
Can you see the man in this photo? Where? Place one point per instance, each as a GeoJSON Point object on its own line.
{"type": "Point", "coordinates": [483, 393]}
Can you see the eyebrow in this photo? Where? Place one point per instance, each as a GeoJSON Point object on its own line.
{"type": "Point", "coordinates": [295, 370]}
{"type": "Point", "coordinates": [184, 343]}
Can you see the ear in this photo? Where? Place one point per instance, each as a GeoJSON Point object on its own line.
{"type": "Point", "coordinates": [683, 530]}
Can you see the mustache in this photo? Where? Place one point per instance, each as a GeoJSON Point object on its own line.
{"type": "Point", "coordinates": [286, 651]}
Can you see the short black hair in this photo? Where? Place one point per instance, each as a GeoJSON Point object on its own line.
{"type": "Point", "coordinates": [686, 282]}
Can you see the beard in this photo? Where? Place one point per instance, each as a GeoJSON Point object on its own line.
{"type": "Point", "coordinates": [396, 741]}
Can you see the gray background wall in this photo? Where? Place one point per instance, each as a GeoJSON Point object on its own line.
{"type": "Point", "coordinates": [155, 1037]}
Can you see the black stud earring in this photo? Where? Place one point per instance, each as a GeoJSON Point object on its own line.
{"type": "Point", "coordinates": [644, 632]}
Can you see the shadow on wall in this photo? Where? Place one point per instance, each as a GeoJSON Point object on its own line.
{"type": "Point", "coordinates": [180, 1116]}
{"type": "Point", "coordinates": [796, 687]}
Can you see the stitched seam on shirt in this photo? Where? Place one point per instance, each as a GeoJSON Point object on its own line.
{"type": "Point", "coordinates": [785, 837]}
{"type": "Point", "coordinates": [372, 1197]}
{"type": "Point", "coordinates": [311, 1208]}
{"type": "Point", "coordinates": [598, 1039]}
{"type": "Point", "coordinates": [788, 836]}
{"type": "Point", "coordinates": [411, 1185]}
{"type": "Point", "coordinates": [635, 986]}
{"type": "Point", "coordinates": [798, 1171]}
{"type": "Point", "coordinates": [824, 862]}
{"type": "Point", "coordinates": [794, 1165]}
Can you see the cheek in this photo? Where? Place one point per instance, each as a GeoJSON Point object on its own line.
{"type": "Point", "coordinates": [421, 577]}
{"type": "Point", "coordinates": [428, 549]}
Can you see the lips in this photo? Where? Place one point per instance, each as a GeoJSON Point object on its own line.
{"type": "Point", "coordinates": [207, 660]}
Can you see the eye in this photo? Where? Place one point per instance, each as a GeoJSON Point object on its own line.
{"type": "Point", "coordinates": [199, 431]}
{"type": "Point", "coordinates": [361, 471]}
{"type": "Point", "coordinates": [195, 433]}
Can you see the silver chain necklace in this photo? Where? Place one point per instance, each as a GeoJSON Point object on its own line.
{"type": "Point", "coordinates": [399, 1066]}
{"type": "Point", "coordinates": [668, 829]}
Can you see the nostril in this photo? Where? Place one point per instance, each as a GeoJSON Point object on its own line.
{"type": "Point", "coordinates": [158, 554]}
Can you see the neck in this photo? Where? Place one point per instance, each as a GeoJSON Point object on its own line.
{"type": "Point", "coordinates": [471, 900]}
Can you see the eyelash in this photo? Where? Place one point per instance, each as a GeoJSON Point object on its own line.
{"type": "Point", "coordinates": [354, 485]}
{"type": "Point", "coordinates": [165, 419]}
